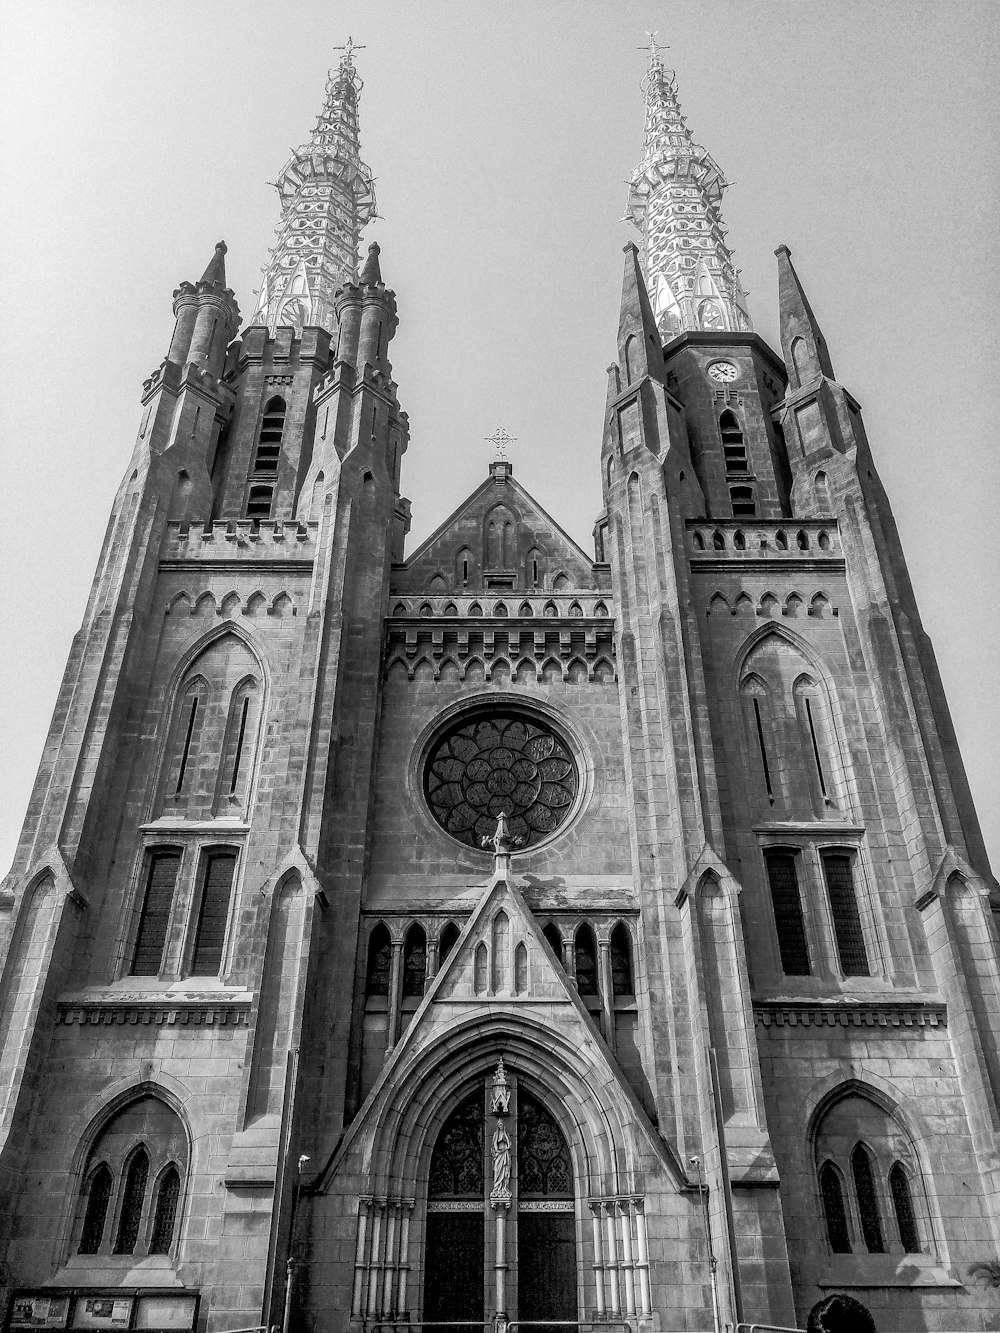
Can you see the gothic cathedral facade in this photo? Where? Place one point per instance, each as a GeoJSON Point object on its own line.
{"type": "Point", "coordinates": [499, 932]}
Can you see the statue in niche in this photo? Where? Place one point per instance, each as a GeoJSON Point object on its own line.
{"type": "Point", "coordinates": [501, 1164]}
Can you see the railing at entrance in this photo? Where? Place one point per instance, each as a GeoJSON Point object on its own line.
{"type": "Point", "coordinates": [766, 1328]}
{"type": "Point", "coordinates": [509, 1325]}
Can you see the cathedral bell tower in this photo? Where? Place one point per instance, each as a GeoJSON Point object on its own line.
{"type": "Point", "coordinates": [802, 831]}
{"type": "Point", "coordinates": [195, 840]}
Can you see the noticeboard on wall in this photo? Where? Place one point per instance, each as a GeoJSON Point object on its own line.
{"type": "Point", "coordinates": [104, 1311]}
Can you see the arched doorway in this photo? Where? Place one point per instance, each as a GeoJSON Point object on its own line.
{"type": "Point", "coordinates": [500, 1234]}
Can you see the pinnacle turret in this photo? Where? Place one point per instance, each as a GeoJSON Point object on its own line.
{"type": "Point", "coordinates": [327, 195]}
{"type": "Point", "coordinates": [674, 198]}
{"type": "Point", "coordinates": [371, 274]}
{"type": "Point", "coordinates": [802, 343]}
{"type": "Point", "coordinates": [216, 271]}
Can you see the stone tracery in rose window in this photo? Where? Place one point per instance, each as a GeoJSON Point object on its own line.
{"type": "Point", "coordinates": [504, 763]}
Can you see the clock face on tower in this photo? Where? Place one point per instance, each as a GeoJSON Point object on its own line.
{"type": "Point", "coordinates": [723, 371]}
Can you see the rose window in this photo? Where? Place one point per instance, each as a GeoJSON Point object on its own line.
{"type": "Point", "coordinates": [503, 764]}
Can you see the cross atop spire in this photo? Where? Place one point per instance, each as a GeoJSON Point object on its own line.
{"type": "Point", "coordinates": [674, 199]}
{"type": "Point", "coordinates": [655, 63]}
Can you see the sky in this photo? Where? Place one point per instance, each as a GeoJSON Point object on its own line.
{"type": "Point", "coordinates": [134, 135]}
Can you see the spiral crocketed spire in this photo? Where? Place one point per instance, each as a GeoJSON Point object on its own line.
{"type": "Point", "coordinates": [675, 198]}
{"type": "Point", "coordinates": [327, 195]}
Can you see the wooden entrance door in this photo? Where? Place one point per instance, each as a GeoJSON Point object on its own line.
{"type": "Point", "coordinates": [454, 1265]}
{"type": "Point", "coordinates": [453, 1275]}
{"type": "Point", "coordinates": [467, 1262]}
{"type": "Point", "coordinates": [546, 1223]}
{"type": "Point", "coordinates": [546, 1266]}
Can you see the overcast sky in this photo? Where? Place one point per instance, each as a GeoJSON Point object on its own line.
{"type": "Point", "coordinates": [136, 134]}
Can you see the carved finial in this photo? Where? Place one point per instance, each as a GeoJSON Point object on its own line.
{"type": "Point", "coordinates": [501, 842]}
{"type": "Point", "coordinates": [500, 1102]}
{"type": "Point", "coordinates": [500, 440]}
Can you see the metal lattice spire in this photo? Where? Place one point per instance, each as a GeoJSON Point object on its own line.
{"type": "Point", "coordinates": [675, 198]}
{"type": "Point", "coordinates": [327, 195]}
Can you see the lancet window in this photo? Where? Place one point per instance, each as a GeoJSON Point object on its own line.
{"type": "Point", "coordinates": [209, 762]}
{"type": "Point", "coordinates": [869, 1181]}
{"type": "Point", "coordinates": [621, 961]}
{"type": "Point", "coordinates": [789, 734]}
{"type": "Point", "coordinates": [131, 1188]}
{"type": "Point", "coordinates": [267, 455]}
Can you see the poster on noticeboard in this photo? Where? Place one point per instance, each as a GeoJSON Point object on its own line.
{"type": "Point", "coordinates": [30, 1311]}
{"type": "Point", "coordinates": [108, 1312]}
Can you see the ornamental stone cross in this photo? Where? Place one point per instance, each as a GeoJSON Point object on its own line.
{"type": "Point", "coordinates": [500, 440]}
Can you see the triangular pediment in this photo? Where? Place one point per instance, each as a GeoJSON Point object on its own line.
{"type": "Point", "coordinates": [500, 980]}
{"type": "Point", "coordinates": [500, 538]}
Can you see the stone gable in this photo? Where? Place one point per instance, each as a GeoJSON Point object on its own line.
{"type": "Point", "coordinates": [500, 541]}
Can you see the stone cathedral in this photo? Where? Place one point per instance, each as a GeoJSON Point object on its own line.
{"type": "Point", "coordinates": [499, 934]}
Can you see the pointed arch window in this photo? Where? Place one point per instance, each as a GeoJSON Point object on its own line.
{"type": "Point", "coordinates": [499, 952]}
{"type": "Point", "coordinates": [810, 711]}
{"type": "Point", "coordinates": [710, 316]}
{"type": "Point", "coordinates": [133, 1195]}
{"type": "Point", "coordinates": [585, 949]}
{"type": "Point", "coordinates": [162, 868]}
{"type": "Point", "coordinates": [379, 973]}
{"type": "Point", "coordinates": [272, 427]}
{"type": "Point", "coordinates": [621, 961]}
{"type": "Point", "coordinates": [902, 1203]}
{"type": "Point", "coordinates": [877, 1176]}
{"type": "Point", "coordinates": [552, 934]}
{"type": "Point", "coordinates": [757, 713]}
{"type": "Point", "coordinates": [834, 1209]}
{"type": "Point", "coordinates": [801, 360]}
{"type": "Point", "coordinates": [145, 1217]}
{"type": "Point", "coordinates": [449, 937]}
{"type": "Point", "coordinates": [743, 502]}
{"type": "Point", "coordinates": [414, 962]}
{"type": "Point", "coordinates": [867, 1194]}
{"type": "Point", "coordinates": [480, 968]}
{"type": "Point", "coordinates": [165, 1211]}
{"type": "Point", "coordinates": [238, 746]}
{"type": "Point", "coordinates": [218, 870]}
{"type": "Point", "coordinates": [520, 968]}
{"type": "Point", "coordinates": [733, 445]}
{"type": "Point", "coordinates": [188, 734]}
{"type": "Point", "coordinates": [209, 760]}
{"type": "Point", "coordinates": [545, 1170]}
{"type": "Point", "coordinates": [95, 1217]}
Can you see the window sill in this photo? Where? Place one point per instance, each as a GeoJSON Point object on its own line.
{"type": "Point", "coordinates": [885, 1270]}
{"type": "Point", "coordinates": [178, 824]}
{"type": "Point", "coordinates": [117, 1270]}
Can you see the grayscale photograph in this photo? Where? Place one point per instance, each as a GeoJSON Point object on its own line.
{"type": "Point", "coordinates": [498, 676]}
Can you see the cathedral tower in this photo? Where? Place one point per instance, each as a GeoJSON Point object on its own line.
{"type": "Point", "coordinates": [496, 931]}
